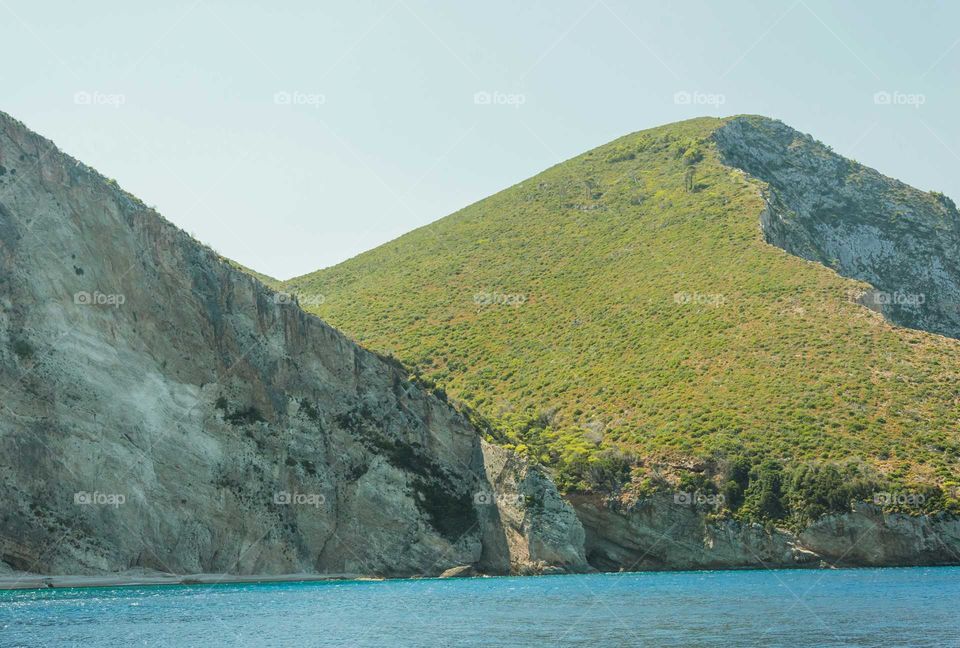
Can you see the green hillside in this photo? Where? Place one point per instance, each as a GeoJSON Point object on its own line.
{"type": "Point", "coordinates": [621, 312]}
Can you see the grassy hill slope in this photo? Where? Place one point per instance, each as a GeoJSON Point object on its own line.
{"type": "Point", "coordinates": [621, 311]}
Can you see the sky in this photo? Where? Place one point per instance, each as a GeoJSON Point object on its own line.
{"type": "Point", "coordinates": [293, 135]}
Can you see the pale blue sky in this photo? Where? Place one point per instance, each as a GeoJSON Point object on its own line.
{"type": "Point", "coordinates": [382, 134]}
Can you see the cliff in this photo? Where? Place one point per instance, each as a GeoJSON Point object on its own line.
{"type": "Point", "coordinates": [163, 410]}
{"type": "Point", "coordinates": [832, 210]}
{"type": "Point", "coordinates": [658, 533]}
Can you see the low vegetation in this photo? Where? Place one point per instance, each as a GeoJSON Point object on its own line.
{"type": "Point", "coordinates": [619, 319]}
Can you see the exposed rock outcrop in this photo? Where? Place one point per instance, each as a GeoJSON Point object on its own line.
{"type": "Point", "coordinates": [868, 537]}
{"type": "Point", "coordinates": [826, 208]}
{"type": "Point", "coordinates": [906, 243]}
{"type": "Point", "coordinates": [656, 533]}
{"type": "Point", "coordinates": [162, 410]}
{"type": "Point", "coordinates": [541, 533]}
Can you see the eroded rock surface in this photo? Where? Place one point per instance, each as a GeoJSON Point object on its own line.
{"type": "Point", "coordinates": [656, 533]}
{"type": "Point", "coordinates": [162, 410]}
{"type": "Point", "coordinates": [826, 208]}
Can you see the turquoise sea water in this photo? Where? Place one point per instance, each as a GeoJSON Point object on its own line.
{"type": "Point", "coordinates": [866, 607]}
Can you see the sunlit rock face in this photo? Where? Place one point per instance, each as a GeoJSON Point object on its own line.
{"type": "Point", "coordinates": [162, 410]}
{"type": "Point", "coordinates": [827, 208]}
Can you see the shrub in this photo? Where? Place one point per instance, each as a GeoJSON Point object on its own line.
{"type": "Point", "coordinates": [736, 479]}
{"type": "Point", "coordinates": [692, 155]}
{"type": "Point", "coordinates": [23, 349]}
{"type": "Point", "coordinates": [248, 415]}
{"type": "Point", "coordinates": [816, 490]}
{"type": "Point", "coordinates": [764, 496]}
{"type": "Point", "coordinates": [609, 470]}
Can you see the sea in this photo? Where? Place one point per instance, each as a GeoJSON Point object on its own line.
{"type": "Point", "coordinates": [845, 607]}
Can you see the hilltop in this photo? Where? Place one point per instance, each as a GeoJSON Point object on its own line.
{"type": "Point", "coordinates": [717, 303]}
{"type": "Point", "coordinates": [617, 324]}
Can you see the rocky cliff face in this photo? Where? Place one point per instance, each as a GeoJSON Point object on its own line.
{"type": "Point", "coordinates": [826, 208]}
{"type": "Point", "coordinates": [163, 410]}
{"type": "Point", "coordinates": [902, 241]}
{"type": "Point", "coordinates": [160, 409]}
{"type": "Point", "coordinates": [657, 533]}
